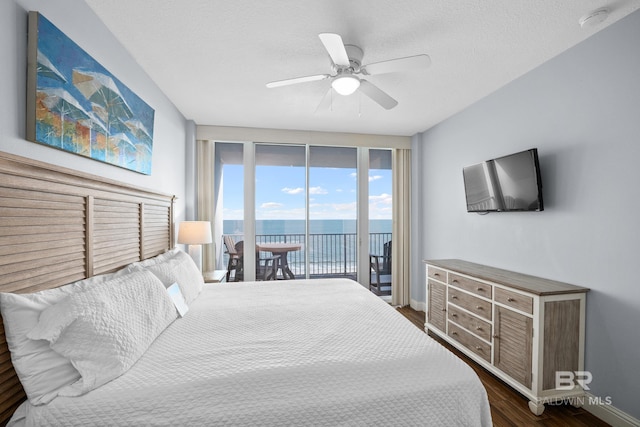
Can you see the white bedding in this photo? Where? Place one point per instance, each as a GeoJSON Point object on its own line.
{"type": "Point", "coordinates": [320, 352]}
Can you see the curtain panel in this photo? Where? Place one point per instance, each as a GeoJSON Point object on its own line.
{"type": "Point", "coordinates": [401, 244]}
{"type": "Point", "coordinates": [205, 151]}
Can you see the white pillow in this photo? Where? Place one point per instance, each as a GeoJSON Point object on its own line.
{"type": "Point", "coordinates": [104, 330]}
{"type": "Point", "coordinates": [136, 266]}
{"type": "Point", "coordinates": [181, 269]}
{"type": "Point", "coordinates": [41, 370]}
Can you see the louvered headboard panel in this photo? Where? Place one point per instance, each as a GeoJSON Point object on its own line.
{"type": "Point", "coordinates": [58, 226]}
{"type": "Point", "coordinates": [154, 218]}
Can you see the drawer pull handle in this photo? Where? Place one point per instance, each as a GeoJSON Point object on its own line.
{"type": "Point", "coordinates": [479, 307]}
{"type": "Point", "coordinates": [510, 300]}
{"type": "Point", "coordinates": [496, 336]}
{"type": "Point", "coordinates": [444, 309]}
{"type": "Point", "coordinates": [454, 315]}
{"type": "Point", "coordinates": [478, 348]}
{"type": "Point", "coordinates": [454, 281]}
{"type": "Point", "coordinates": [479, 289]}
{"type": "Point", "coordinates": [478, 328]}
{"type": "Point", "coordinates": [454, 297]}
{"type": "Point", "coordinates": [454, 333]}
{"type": "Point", "coordinates": [436, 274]}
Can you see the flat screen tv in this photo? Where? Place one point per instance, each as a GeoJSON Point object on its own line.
{"type": "Point", "coordinates": [508, 183]}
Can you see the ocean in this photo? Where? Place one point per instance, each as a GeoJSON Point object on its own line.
{"type": "Point", "coordinates": [332, 243]}
{"type": "Point", "coordinates": [297, 226]}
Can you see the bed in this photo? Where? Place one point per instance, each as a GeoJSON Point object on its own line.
{"type": "Point", "coordinates": [300, 352]}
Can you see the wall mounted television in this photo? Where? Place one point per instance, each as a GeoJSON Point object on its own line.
{"type": "Point", "coordinates": [504, 184]}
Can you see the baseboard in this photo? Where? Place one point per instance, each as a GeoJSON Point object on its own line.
{"type": "Point", "coordinates": [609, 413]}
{"type": "Point", "coordinates": [418, 305]}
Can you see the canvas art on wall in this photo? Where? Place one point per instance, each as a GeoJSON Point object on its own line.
{"type": "Point", "coordinates": [76, 105]}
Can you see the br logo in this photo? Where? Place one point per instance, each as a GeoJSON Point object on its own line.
{"type": "Point", "coordinates": [567, 380]}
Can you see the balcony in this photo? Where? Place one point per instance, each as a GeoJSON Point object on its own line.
{"type": "Point", "coordinates": [330, 255]}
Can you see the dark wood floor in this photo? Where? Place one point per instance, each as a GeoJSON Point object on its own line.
{"type": "Point", "coordinates": [509, 408]}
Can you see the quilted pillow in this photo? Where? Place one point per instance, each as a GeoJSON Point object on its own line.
{"type": "Point", "coordinates": [41, 370]}
{"type": "Point", "coordinates": [181, 269]}
{"type": "Point", "coordinates": [136, 266]}
{"type": "Point", "coordinates": [104, 330]}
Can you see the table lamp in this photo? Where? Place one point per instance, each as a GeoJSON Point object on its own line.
{"type": "Point", "coordinates": [195, 234]}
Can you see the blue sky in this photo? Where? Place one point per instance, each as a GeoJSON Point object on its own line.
{"type": "Point", "coordinates": [280, 193]}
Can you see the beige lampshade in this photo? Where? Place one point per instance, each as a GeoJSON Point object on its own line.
{"type": "Point", "coordinates": [194, 232]}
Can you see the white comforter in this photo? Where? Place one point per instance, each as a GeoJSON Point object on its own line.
{"type": "Point", "coordinates": [320, 352]}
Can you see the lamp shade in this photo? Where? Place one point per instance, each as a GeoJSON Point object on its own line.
{"type": "Point", "coordinates": [194, 232]}
{"type": "Point", "coordinates": [346, 84]}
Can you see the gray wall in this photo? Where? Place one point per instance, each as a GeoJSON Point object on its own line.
{"type": "Point", "coordinates": [78, 22]}
{"type": "Point", "coordinates": [582, 111]}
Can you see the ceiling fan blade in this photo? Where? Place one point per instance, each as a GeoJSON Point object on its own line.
{"type": "Point", "coordinates": [326, 102]}
{"type": "Point", "coordinates": [335, 47]}
{"type": "Point", "coordinates": [377, 95]}
{"type": "Point", "coordinates": [394, 65]}
{"type": "Point", "coordinates": [297, 80]}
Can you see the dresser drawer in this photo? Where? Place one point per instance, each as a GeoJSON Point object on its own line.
{"type": "Point", "coordinates": [474, 344]}
{"type": "Point", "coordinates": [473, 304]}
{"type": "Point", "coordinates": [437, 274]}
{"type": "Point", "coordinates": [478, 288]}
{"type": "Point", "coordinates": [515, 300]}
{"type": "Point", "coordinates": [470, 322]}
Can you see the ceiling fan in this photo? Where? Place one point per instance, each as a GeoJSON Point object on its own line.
{"type": "Point", "coordinates": [347, 70]}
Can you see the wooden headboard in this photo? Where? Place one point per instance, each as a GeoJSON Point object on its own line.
{"type": "Point", "coordinates": [58, 226]}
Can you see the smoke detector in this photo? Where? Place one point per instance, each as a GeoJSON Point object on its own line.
{"type": "Point", "coordinates": [594, 18]}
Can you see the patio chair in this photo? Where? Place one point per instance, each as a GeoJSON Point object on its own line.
{"type": "Point", "coordinates": [235, 259]}
{"type": "Point", "coordinates": [380, 271]}
{"type": "Point", "coordinates": [266, 267]}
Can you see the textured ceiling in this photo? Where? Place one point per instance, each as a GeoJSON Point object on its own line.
{"type": "Point", "coordinates": [212, 58]}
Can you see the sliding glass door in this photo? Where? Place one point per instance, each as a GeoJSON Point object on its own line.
{"type": "Point", "coordinates": [319, 210]}
{"type": "Point", "coordinates": [332, 202]}
{"type": "Point", "coordinates": [380, 218]}
{"type": "Point", "coordinates": [229, 209]}
{"type": "Point", "coordinates": [280, 209]}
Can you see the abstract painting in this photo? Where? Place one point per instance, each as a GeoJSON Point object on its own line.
{"type": "Point", "coordinates": [74, 104]}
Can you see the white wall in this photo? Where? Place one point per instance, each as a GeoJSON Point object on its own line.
{"type": "Point", "coordinates": [582, 111]}
{"type": "Point", "coordinates": [78, 22]}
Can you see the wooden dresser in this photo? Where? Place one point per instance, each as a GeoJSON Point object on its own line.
{"type": "Point", "coordinates": [521, 328]}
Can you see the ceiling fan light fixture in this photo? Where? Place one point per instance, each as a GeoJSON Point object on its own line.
{"type": "Point", "coordinates": [346, 84]}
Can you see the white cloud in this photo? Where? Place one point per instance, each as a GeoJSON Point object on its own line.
{"type": "Point", "coordinates": [234, 214]}
{"type": "Point", "coordinates": [380, 206]}
{"type": "Point", "coordinates": [345, 206]}
{"type": "Point", "coordinates": [375, 177]}
{"type": "Point", "coordinates": [382, 198]}
{"type": "Point", "coordinates": [317, 190]}
{"type": "Point", "coordinates": [297, 190]}
{"type": "Point", "coordinates": [280, 214]}
{"type": "Point", "coordinates": [271, 205]}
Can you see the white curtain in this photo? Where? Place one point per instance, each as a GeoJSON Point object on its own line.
{"type": "Point", "coordinates": [205, 151]}
{"type": "Point", "coordinates": [401, 243]}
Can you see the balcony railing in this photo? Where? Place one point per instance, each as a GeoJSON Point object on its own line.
{"type": "Point", "coordinates": [330, 255]}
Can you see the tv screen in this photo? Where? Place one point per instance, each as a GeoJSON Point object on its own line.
{"type": "Point", "coordinates": [509, 183]}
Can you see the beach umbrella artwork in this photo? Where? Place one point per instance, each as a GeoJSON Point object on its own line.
{"type": "Point", "coordinates": [100, 89]}
{"type": "Point", "coordinates": [95, 125]}
{"type": "Point", "coordinates": [139, 130]}
{"type": "Point", "coordinates": [125, 147]}
{"type": "Point", "coordinates": [61, 102]}
{"type": "Point", "coordinates": [118, 126]}
{"type": "Point", "coordinates": [46, 69]}
{"type": "Point", "coordinates": [77, 105]}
